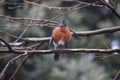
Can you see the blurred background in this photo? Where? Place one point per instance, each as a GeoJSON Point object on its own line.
{"type": "Point", "coordinates": [80, 66]}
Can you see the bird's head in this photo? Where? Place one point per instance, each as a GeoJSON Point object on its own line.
{"type": "Point", "coordinates": [62, 23]}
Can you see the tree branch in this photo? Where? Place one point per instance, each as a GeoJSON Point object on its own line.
{"type": "Point", "coordinates": [5, 68]}
{"type": "Point", "coordinates": [29, 19]}
{"type": "Point", "coordinates": [6, 44]}
{"type": "Point", "coordinates": [67, 51]}
{"type": "Point", "coordinates": [99, 31]}
{"type": "Point", "coordinates": [80, 34]}
{"type": "Point", "coordinates": [116, 3]}
{"type": "Point", "coordinates": [19, 66]}
{"type": "Point", "coordinates": [117, 75]}
{"type": "Point", "coordinates": [111, 8]}
{"type": "Point", "coordinates": [45, 6]}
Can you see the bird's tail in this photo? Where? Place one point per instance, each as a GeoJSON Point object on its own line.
{"type": "Point", "coordinates": [56, 56]}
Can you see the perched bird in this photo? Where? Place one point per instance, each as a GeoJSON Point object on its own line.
{"type": "Point", "coordinates": [61, 35]}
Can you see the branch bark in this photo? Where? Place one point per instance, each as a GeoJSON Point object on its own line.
{"type": "Point", "coordinates": [117, 75]}
{"type": "Point", "coordinates": [80, 34]}
{"type": "Point", "coordinates": [111, 8]}
{"type": "Point", "coordinates": [19, 66]}
{"type": "Point", "coordinates": [99, 31]}
{"type": "Point", "coordinates": [6, 44]}
{"type": "Point", "coordinates": [67, 51]}
{"type": "Point", "coordinates": [7, 65]}
{"type": "Point", "coordinates": [29, 19]}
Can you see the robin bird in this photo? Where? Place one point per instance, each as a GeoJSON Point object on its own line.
{"type": "Point", "coordinates": [61, 35]}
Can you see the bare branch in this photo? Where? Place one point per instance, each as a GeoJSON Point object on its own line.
{"type": "Point", "coordinates": [25, 58]}
{"type": "Point", "coordinates": [7, 44]}
{"type": "Point", "coordinates": [111, 8]}
{"type": "Point", "coordinates": [45, 6]}
{"type": "Point", "coordinates": [4, 32]}
{"type": "Point", "coordinates": [46, 39]}
{"type": "Point", "coordinates": [25, 30]}
{"type": "Point", "coordinates": [29, 19]}
{"type": "Point", "coordinates": [99, 31]}
{"type": "Point", "coordinates": [79, 6]}
{"type": "Point", "coordinates": [81, 33]}
{"type": "Point", "coordinates": [5, 68]}
{"type": "Point", "coordinates": [117, 75]}
{"type": "Point", "coordinates": [116, 3]}
{"type": "Point", "coordinates": [106, 51]}
{"type": "Point", "coordinates": [19, 66]}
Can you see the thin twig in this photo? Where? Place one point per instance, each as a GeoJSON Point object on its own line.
{"type": "Point", "coordinates": [26, 27]}
{"type": "Point", "coordinates": [45, 6]}
{"type": "Point", "coordinates": [116, 3]}
{"type": "Point", "coordinates": [26, 57]}
{"type": "Point", "coordinates": [117, 75]}
{"type": "Point", "coordinates": [99, 31]}
{"type": "Point", "coordinates": [19, 66]}
{"type": "Point", "coordinates": [29, 19]}
{"type": "Point", "coordinates": [8, 55]}
{"type": "Point", "coordinates": [6, 66]}
{"type": "Point", "coordinates": [11, 35]}
{"type": "Point", "coordinates": [76, 8]}
{"type": "Point", "coordinates": [111, 8]}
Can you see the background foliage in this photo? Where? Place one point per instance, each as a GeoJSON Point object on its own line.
{"type": "Point", "coordinates": [70, 67]}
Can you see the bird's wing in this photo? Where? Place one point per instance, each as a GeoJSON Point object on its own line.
{"type": "Point", "coordinates": [74, 33]}
{"type": "Point", "coordinates": [50, 46]}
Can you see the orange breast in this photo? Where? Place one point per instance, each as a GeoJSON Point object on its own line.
{"type": "Point", "coordinates": [61, 33]}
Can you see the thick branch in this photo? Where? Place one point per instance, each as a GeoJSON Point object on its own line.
{"type": "Point", "coordinates": [67, 51]}
{"type": "Point", "coordinates": [82, 33]}
{"type": "Point", "coordinates": [99, 31]}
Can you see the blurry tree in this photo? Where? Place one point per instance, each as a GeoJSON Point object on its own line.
{"type": "Point", "coordinates": [82, 69]}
